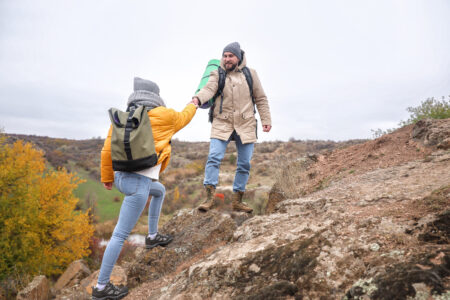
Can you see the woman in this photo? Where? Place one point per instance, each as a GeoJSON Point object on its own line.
{"type": "Point", "coordinates": [138, 186]}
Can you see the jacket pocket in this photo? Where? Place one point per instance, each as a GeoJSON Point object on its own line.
{"type": "Point", "coordinates": [221, 116]}
{"type": "Point", "coordinates": [248, 115]}
{"type": "Point", "coordinates": [220, 121]}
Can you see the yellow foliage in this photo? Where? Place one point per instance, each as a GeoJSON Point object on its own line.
{"type": "Point", "coordinates": [40, 231]}
{"type": "Point", "coordinates": [197, 166]}
{"type": "Point", "coordinates": [176, 194]}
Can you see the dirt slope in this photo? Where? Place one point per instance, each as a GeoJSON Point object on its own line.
{"type": "Point", "coordinates": [406, 144]}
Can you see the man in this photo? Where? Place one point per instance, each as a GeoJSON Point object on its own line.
{"type": "Point", "coordinates": [233, 119]}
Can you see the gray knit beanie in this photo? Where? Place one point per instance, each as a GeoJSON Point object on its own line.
{"type": "Point", "coordinates": [146, 93]}
{"type": "Point", "coordinates": [234, 48]}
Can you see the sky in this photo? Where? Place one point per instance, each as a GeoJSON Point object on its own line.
{"type": "Point", "coordinates": [332, 70]}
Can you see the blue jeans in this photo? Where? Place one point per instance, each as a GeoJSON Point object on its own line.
{"type": "Point", "coordinates": [217, 152]}
{"type": "Point", "coordinates": [137, 189]}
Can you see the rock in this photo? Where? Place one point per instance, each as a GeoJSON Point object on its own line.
{"type": "Point", "coordinates": [195, 233]}
{"type": "Point", "coordinates": [361, 288]}
{"type": "Point", "coordinates": [434, 133]}
{"type": "Point", "coordinates": [240, 217]}
{"type": "Point", "coordinates": [275, 197]}
{"type": "Point", "coordinates": [254, 268]}
{"type": "Point", "coordinates": [74, 292]}
{"type": "Point", "coordinates": [404, 279]}
{"type": "Point", "coordinates": [437, 231]}
{"type": "Point", "coordinates": [38, 289]}
{"type": "Point", "coordinates": [118, 276]}
{"type": "Point", "coordinates": [313, 157]}
{"type": "Point", "coordinates": [374, 247]}
{"type": "Point", "coordinates": [249, 273]}
{"type": "Point", "coordinates": [74, 273]}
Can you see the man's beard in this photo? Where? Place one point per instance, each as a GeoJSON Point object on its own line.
{"type": "Point", "coordinates": [230, 68]}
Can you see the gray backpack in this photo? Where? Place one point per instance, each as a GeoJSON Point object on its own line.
{"type": "Point", "coordinates": [132, 144]}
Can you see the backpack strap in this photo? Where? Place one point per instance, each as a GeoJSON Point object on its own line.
{"type": "Point", "coordinates": [221, 85]}
{"type": "Point", "coordinates": [248, 77]}
{"type": "Point", "coordinates": [129, 126]}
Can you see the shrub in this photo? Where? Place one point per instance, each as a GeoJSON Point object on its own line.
{"type": "Point", "coordinates": [198, 166]}
{"type": "Point", "coordinates": [232, 159]}
{"type": "Point", "coordinates": [191, 155]}
{"type": "Point", "coordinates": [40, 230]}
{"type": "Point", "coordinates": [429, 109]}
{"type": "Point", "coordinates": [259, 204]}
{"type": "Point", "coordinates": [57, 158]}
{"type": "Point", "coordinates": [95, 257]}
{"type": "Point", "coordinates": [104, 230]}
{"type": "Point", "coordinates": [262, 170]}
{"type": "Point", "coordinates": [91, 203]}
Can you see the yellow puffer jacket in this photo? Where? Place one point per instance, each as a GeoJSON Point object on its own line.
{"type": "Point", "coordinates": [165, 123]}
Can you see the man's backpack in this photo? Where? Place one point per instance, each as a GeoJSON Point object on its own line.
{"type": "Point", "coordinates": [213, 65]}
{"type": "Point", "coordinates": [132, 144]}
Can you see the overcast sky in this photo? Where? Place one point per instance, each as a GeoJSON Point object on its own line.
{"type": "Point", "coordinates": [331, 69]}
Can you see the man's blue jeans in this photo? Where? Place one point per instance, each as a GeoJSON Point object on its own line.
{"type": "Point", "coordinates": [137, 189]}
{"type": "Point", "coordinates": [217, 152]}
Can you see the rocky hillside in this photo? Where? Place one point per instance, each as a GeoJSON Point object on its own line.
{"type": "Point", "coordinates": [370, 221]}
{"type": "Point", "coordinates": [379, 234]}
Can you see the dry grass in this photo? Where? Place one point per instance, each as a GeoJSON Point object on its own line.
{"type": "Point", "coordinates": [104, 230]}
{"type": "Point", "coordinates": [288, 176]}
{"type": "Point", "coordinates": [438, 200]}
{"type": "Point", "coordinates": [10, 286]}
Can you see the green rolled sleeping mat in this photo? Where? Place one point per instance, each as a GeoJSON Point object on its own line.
{"type": "Point", "coordinates": [213, 64]}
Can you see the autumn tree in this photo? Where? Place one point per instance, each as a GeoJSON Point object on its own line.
{"type": "Point", "coordinates": [40, 230]}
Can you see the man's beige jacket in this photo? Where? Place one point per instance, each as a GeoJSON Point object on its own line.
{"type": "Point", "coordinates": [237, 108]}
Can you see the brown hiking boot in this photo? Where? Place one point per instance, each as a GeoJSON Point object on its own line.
{"type": "Point", "coordinates": [238, 205]}
{"type": "Point", "coordinates": [209, 202]}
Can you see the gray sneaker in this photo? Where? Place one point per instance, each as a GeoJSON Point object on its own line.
{"type": "Point", "coordinates": [110, 292]}
{"type": "Point", "coordinates": [159, 240]}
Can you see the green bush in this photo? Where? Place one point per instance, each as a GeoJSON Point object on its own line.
{"type": "Point", "coordinates": [232, 159]}
{"type": "Point", "coordinates": [429, 109]}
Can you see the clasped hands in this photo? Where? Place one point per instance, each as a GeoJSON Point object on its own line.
{"type": "Point", "coordinates": [195, 101]}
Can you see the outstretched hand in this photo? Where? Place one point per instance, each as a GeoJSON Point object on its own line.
{"type": "Point", "coordinates": [195, 101]}
{"type": "Point", "coordinates": [266, 128]}
{"type": "Point", "coordinates": [108, 185]}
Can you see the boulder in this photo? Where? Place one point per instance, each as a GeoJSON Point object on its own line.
{"type": "Point", "coordinates": [38, 289]}
{"type": "Point", "coordinates": [73, 293]}
{"type": "Point", "coordinates": [74, 273]}
{"type": "Point", "coordinates": [195, 235]}
{"type": "Point", "coordinates": [433, 133]}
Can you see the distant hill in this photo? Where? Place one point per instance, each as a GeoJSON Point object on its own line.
{"type": "Point", "coordinates": [184, 176]}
